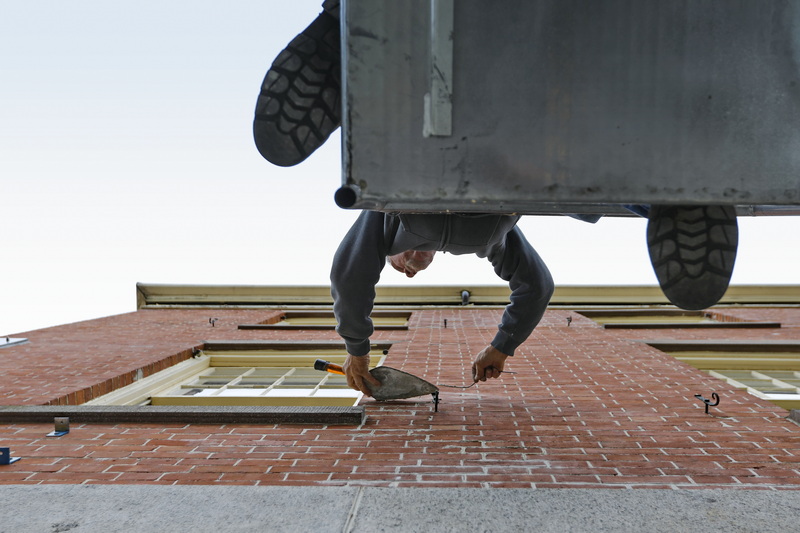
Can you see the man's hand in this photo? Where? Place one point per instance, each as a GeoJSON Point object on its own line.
{"type": "Point", "coordinates": [488, 364]}
{"type": "Point", "coordinates": [356, 369]}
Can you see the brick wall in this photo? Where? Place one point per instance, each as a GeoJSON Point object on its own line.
{"type": "Point", "coordinates": [587, 407]}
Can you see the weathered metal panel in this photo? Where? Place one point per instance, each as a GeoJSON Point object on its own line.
{"type": "Point", "coordinates": [574, 102]}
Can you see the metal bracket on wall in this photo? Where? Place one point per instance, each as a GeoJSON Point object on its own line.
{"type": "Point", "coordinates": [62, 427]}
{"type": "Point", "coordinates": [438, 120]}
{"type": "Point", "coordinates": [5, 457]}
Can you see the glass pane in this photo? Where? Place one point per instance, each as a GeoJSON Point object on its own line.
{"type": "Point", "coordinates": [335, 382]}
{"type": "Point", "coordinates": [262, 383]}
{"type": "Point", "coordinates": [308, 382]}
{"type": "Point", "coordinates": [308, 372]}
{"type": "Point", "coordinates": [198, 392]}
{"type": "Point", "coordinates": [210, 382]}
{"type": "Point", "coordinates": [241, 392]}
{"type": "Point", "coordinates": [269, 372]}
{"type": "Point", "coordinates": [232, 371]}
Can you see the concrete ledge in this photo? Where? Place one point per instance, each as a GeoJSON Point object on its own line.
{"type": "Point", "coordinates": [722, 344]}
{"type": "Point", "coordinates": [232, 345]}
{"type": "Point", "coordinates": [153, 296]}
{"type": "Point", "coordinates": [211, 509]}
{"type": "Point", "coordinates": [691, 325]}
{"type": "Point", "coordinates": [12, 341]}
{"type": "Point", "coordinates": [114, 414]}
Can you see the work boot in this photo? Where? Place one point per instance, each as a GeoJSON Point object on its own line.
{"type": "Point", "coordinates": [693, 250]}
{"type": "Point", "coordinates": [300, 101]}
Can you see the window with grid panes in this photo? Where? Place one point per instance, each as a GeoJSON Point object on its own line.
{"type": "Point", "coordinates": [265, 373]}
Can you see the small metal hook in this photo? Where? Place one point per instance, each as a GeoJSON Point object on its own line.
{"type": "Point", "coordinates": [569, 320]}
{"type": "Point", "coordinates": [707, 401]}
{"type": "Point", "coordinates": [445, 323]}
{"type": "Point", "coordinates": [212, 321]}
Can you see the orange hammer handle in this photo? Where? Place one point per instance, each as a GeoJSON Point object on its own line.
{"type": "Point", "coordinates": [327, 366]}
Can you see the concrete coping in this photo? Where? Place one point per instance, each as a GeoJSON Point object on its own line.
{"type": "Point", "coordinates": [162, 414]}
{"type": "Point", "coordinates": [12, 341]}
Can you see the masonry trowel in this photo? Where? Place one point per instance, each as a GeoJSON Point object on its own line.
{"type": "Point", "coordinates": [395, 384]}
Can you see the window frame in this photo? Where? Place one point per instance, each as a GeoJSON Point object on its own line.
{"type": "Point", "coordinates": [287, 358]}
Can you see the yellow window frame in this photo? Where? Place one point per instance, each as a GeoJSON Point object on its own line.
{"type": "Point", "coordinates": [322, 319]}
{"type": "Point", "coordinates": [249, 374]}
{"type": "Point", "coordinates": [770, 371]}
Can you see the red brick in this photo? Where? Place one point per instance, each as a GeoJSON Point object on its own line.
{"type": "Point", "coordinates": [587, 408]}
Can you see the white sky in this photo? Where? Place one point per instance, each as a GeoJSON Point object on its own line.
{"type": "Point", "coordinates": [126, 155]}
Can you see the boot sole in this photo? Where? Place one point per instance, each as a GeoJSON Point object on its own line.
{"type": "Point", "coordinates": [300, 101]}
{"type": "Point", "coordinates": [693, 251]}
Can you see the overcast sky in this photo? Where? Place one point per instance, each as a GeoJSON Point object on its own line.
{"type": "Point", "coordinates": [126, 155]}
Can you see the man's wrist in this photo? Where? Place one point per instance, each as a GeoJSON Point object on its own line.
{"type": "Point", "coordinates": [358, 349]}
{"type": "Point", "coordinates": [503, 344]}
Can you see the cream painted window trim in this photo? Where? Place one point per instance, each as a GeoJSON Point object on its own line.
{"type": "Point", "coordinates": [155, 389]}
{"type": "Point", "coordinates": [324, 319]}
{"type": "Point", "coordinates": [756, 360]}
{"type": "Point", "coordinates": [737, 362]}
{"type": "Point", "coordinates": [788, 399]}
{"type": "Point", "coordinates": [197, 296]}
{"type": "Point", "coordinates": [139, 393]}
{"type": "Point", "coordinates": [667, 318]}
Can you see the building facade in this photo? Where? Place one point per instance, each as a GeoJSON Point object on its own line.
{"type": "Point", "coordinates": [215, 385]}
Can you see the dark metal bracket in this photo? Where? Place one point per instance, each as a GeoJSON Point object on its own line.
{"type": "Point", "coordinates": [707, 401]}
{"type": "Point", "coordinates": [62, 427]}
{"type": "Point", "coordinates": [5, 457]}
{"type": "Point", "coordinates": [435, 401]}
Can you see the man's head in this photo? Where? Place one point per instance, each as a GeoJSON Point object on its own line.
{"type": "Point", "coordinates": [411, 261]}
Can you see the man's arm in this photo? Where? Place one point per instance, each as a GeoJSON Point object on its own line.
{"type": "Point", "coordinates": [356, 270]}
{"type": "Point", "coordinates": [516, 262]}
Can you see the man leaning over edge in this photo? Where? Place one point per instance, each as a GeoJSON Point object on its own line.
{"type": "Point", "coordinates": [409, 242]}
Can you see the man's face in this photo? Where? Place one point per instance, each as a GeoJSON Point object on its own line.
{"type": "Point", "coordinates": [411, 262]}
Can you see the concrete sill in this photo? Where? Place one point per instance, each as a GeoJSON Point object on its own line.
{"type": "Point", "coordinates": [116, 414]}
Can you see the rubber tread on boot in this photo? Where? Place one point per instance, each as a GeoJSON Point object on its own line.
{"type": "Point", "coordinates": [693, 251]}
{"type": "Point", "coordinates": [300, 101]}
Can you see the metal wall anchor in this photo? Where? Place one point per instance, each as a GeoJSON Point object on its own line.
{"type": "Point", "coordinates": [707, 401]}
{"type": "Point", "coordinates": [435, 401]}
{"type": "Point", "coordinates": [5, 457]}
{"type": "Point", "coordinates": [569, 320]}
{"type": "Point", "coordinates": [62, 427]}
{"type": "Point", "coordinates": [212, 321]}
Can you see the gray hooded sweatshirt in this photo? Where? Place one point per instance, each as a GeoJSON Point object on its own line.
{"type": "Point", "coordinates": [362, 254]}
